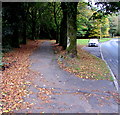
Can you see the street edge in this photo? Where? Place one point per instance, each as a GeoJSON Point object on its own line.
{"type": "Point", "coordinates": [114, 78]}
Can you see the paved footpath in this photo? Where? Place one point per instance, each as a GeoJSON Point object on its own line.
{"type": "Point", "coordinates": [57, 91]}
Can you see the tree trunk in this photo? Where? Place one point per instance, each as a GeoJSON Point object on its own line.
{"type": "Point", "coordinates": [33, 24]}
{"type": "Point", "coordinates": [24, 20]}
{"type": "Point", "coordinates": [24, 34]}
{"type": "Point", "coordinates": [15, 38]}
{"type": "Point", "coordinates": [63, 27]}
{"type": "Point", "coordinates": [56, 23]}
{"type": "Point", "coordinates": [33, 30]}
{"type": "Point", "coordinates": [71, 29]}
{"type": "Point", "coordinates": [57, 36]}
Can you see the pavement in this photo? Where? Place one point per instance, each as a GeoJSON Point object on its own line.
{"type": "Point", "coordinates": [57, 91]}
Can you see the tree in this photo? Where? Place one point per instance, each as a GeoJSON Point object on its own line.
{"type": "Point", "coordinates": [11, 22]}
{"type": "Point", "coordinates": [57, 19]}
{"type": "Point", "coordinates": [26, 20]}
{"type": "Point", "coordinates": [63, 26]}
{"type": "Point", "coordinates": [83, 22]}
{"type": "Point", "coordinates": [113, 25]}
{"type": "Point", "coordinates": [72, 28]}
{"type": "Point", "coordinates": [118, 32]}
{"type": "Point", "coordinates": [109, 8]}
{"type": "Point", "coordinates": [49, 20]}
{"type": "Point", "coordinates": [68, 29]}
{"type": "Point", "coordinates": [99, 27]}
{"type": "Point", "coordinates": [105, 27]}
{"type": "Point", "coordinates": [88, 26]}
{"type": "Point", "coordinates": [32, 19]}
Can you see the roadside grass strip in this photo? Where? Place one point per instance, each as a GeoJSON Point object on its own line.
{"type": "Point", "coordinates": [105, 39]}
{"type": "Point", "coordinates": [85, 41]}
{"type": "Point", "coordinates": [85, 65]}
{"type": "Point", "coordinates": [82, 41]}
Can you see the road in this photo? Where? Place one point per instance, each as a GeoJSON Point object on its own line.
{"type": "Point", "coordinates": [110, 54]}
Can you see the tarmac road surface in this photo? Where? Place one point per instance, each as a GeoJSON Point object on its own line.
{"type": "Point", "coordinates": [110, 51]}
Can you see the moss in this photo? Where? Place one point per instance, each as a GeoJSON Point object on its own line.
{"type": "Point", "coordinates": [71, 34]}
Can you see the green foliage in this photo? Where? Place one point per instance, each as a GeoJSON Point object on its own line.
{"type": "Point", "coordinates": [89, 26]}
{"type": "Point", "coordinates": [105, 27]}
{"type": "Point", "coordinates": [84, 13]}
{"type": "Point", "coordinates": [24, 20]}
{"type": "Point", "coordinates": [99, 28]}
{"type": "Point", "coordinates": [113, 19]}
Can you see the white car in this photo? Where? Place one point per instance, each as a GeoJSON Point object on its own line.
{"type": "Point", "coordinates": [93, 42]}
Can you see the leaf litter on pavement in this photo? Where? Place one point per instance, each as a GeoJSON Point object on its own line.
{"type": "Point", "coordinates": [14, 78]}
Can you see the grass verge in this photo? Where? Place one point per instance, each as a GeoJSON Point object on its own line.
{"type": "Point", "coordinates": [85, 41]}
{"type": "Point", "coordinates": [105, 39]}
{"type": "Point", "coordinates": [82, 41]}
{"type": "Point", "coordinates": [85, 65]}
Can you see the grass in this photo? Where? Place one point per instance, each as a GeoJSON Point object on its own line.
{"type": "Point", "coordinates": [85, 41]}
{"type": "Point", "coordinates": [82, 41]}
{"type": "Point", "coordinates": [105, 39]}
{"type": "Point", "coordinates": [85, 66]}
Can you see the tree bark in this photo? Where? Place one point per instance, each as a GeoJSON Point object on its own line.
{"type": "Point", "coordinates": [63, 27]}
{"type": "Point", "coordinates": [24, 34]}
{"type": "Point", "coordinates": [15, 24]}
{"type": "Point", "coordinates": [33, 24]}
{"type": "Point", "coordinates": [72, 28]}
{"type": "Point", "coordinates": [15, 38]}
{"type": "Point", "coordinates": [57, 26]}
{"type": "Point", "coordinates": [24, 20]}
